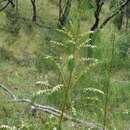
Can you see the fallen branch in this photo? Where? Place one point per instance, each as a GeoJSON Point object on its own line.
{"type": "Point", "coordinates": [8, 91]}
{"type": "Point", "coordinates": [50, 110]}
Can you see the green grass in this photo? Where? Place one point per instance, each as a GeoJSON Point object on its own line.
{"type": "Point", "coordinates": [20, 76]}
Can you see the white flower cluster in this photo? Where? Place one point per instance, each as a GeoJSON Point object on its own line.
{"type": "Point", "coordinates": [49, 91]}
{"type": "Point", "coordinates": [8, 127]}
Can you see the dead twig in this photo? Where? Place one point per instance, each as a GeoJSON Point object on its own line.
{"type": "Point", "coordinates": [50, 110]}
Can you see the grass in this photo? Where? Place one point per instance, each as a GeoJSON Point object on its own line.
{"type": "Point", "coordinates": [33, 42]}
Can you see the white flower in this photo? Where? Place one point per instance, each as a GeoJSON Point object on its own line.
{"type": "Point", "coordinates": [54, 128]}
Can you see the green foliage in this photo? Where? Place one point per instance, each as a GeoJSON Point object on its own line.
{"type": "Point", "coordinates": [86, 6]}
{"type": "Point", "coordinates": [13, 24]}
{"type": "Point", "coordinates": [60, 75]}
{"type": "Point", "coordinates": [70, 63]}
{"type": "Point", "coordinates": [6, 55]}
{"type": "Point", "coordinates": [123, 46]}
{"type": "Point", "coordinates": [44, 63]}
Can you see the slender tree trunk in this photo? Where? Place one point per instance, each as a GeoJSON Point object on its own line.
{"type": "Point", "coordinates": [34, 17]}
{"type": "Point", "coordinates": [95, 26]}
{"type": "Point", "coordinates": [99, 5]}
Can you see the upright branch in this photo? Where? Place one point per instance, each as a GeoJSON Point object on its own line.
{"type": "Point", "coordinates": [95, 26]}
{"type": "Point", "coordinates": [34, 10]}
{"type": "Point", "coordinates": [99, 5]}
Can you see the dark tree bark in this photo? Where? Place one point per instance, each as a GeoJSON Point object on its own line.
{"type": "Point", "coordinates": [7, 4]}
{"type": "Point", "coordinates": [34, 9]}
{"type": "Point", "coordinates": [95, 26]}
{"type": "Point", "coordinates": [99, 5]}
{"type": "Point", "coordinates": [12, 3]}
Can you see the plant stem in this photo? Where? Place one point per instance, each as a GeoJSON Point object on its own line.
{"type": "Point", "coordinates": [67, 88]}
{"type": "Point", "coordinates": [109, 71]}
{"type": "Point", "coordinates": [106, 105]}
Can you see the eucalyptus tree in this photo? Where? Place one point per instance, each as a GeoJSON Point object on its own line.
{"type": "Point", "coordinates": [99, 24]}
{"type": "Point", "coordinates": [99, 5]}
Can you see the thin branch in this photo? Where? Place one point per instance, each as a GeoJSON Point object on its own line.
{"type": "Point", "coordinates": [8, 91]}
{"type": "Point", "coordinates": [114, 14]}
{"type": "Point", "coordinates": [57, 113]}
{"type": "Point", "coordinates": [99, 5]}
{"type": "Point", "coordinates": [34, 8]}
{"type": "Point", "coordinates": [12, 3]}
{"type": "Point", "coordinates": [5, 6]}
{"type": "Point", "coordinates": [50, 110]}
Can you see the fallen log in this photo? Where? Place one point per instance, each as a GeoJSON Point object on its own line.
{"type": "Point", "coordinates": [50, 110]}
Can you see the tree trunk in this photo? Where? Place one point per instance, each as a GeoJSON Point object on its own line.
{"type": "Point", "coordinates": [34, 17]}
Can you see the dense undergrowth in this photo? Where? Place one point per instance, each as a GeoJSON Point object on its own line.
{"type": "Point", "coordinates": [51, 66]}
